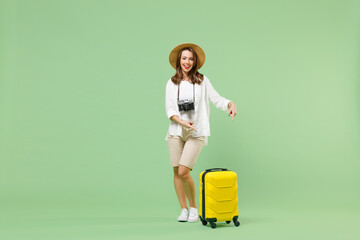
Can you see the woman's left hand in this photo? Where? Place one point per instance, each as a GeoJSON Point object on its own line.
{"type": "Point", "coordinates": [232, 110]}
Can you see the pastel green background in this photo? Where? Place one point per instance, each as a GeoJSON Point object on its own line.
{"type": "Point", "coordinates": [82, 117]}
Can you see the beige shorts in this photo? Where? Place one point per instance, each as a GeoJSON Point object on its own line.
{"type": "Point", "coordinates": [184, 150]}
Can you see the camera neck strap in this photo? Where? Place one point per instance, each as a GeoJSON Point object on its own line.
{"type": "Point", "coordinates": [193, 92]}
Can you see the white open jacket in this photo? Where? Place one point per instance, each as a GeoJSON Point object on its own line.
{"type": "Point", "coordinates": [203, 93]}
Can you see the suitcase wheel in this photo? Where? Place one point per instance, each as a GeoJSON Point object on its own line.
{"type": "Point", "coordinates": [228, 222]}
{"type": "Point", "coordinates": [203, 222]}
{"type": "Point", "coordinates": [213, 225]}
{"type": "Point", "coordinates": [236, 222]}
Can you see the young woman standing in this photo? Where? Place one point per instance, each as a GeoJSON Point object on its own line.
{"type": "Point", "coordinates": [187, 106]}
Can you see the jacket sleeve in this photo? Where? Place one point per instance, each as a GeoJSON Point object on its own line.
{"type": "Point", "coordinates": [219, 101]}
{"type": "Point", "coordinates": [171, 100]}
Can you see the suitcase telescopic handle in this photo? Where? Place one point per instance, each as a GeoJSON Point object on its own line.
{"type": "Point", "coordinates": [216, 169]}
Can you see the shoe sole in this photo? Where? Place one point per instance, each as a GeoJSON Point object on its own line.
{"type": "Point", "coordinates": [193, 221]}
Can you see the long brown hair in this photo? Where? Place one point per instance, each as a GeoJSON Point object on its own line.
{"type": "Point", "coordinates": [194, 75]}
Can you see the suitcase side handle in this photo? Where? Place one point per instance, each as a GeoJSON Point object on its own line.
{"type": "Point", "coordinates": [215, 169]}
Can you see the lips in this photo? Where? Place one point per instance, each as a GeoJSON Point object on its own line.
{"type": "Point", "coordinates": [187, 67]}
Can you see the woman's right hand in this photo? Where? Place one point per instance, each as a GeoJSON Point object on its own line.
{"type": "Point", "coordinates": [184, 123]}
{"type": "Point", "coordinates": [187, 124]}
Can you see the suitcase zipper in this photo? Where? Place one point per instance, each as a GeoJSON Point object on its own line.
{"type": "Point", "coordinates": [203, 195]}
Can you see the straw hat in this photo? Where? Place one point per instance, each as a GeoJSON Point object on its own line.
{"type": "Point", "coordinates": [199, 52]}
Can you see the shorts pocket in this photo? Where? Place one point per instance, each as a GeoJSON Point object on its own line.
{"type": "Point", "coordinates": [173, 136]}
{"type": "Point", "coordinates": [201, 138]}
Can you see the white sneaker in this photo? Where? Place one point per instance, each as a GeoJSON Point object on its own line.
{"type": "Point", "coordinates": [193, 215]}
{"type": "Point", "coordinates": [183, 215]}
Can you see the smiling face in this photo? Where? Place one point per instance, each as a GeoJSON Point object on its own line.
{"type": "Point", "coordinates": [186, 61]}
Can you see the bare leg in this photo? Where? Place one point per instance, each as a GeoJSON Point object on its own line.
{"type": "Point", "coordinates": [179, 188]}
{"type": "Point", "coordinates": [188, 184]}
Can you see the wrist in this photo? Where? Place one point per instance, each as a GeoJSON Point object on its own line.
{"type": "Point", "coordinates": [230, 104]}
{"type": "Point", "coordinates": [180, 121]}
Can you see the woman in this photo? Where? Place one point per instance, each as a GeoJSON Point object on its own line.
{"type": "Point", "coordinates": [187, 106]}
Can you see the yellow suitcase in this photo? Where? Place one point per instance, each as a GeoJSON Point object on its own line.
{"type": "Point", "coordinates": [218, 197]}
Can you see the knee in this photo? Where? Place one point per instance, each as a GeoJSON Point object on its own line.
{"type": "Point", "coordinates": [184, 174]}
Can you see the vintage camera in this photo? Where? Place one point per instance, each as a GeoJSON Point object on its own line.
{"type": "Point", "coordinates": [186, 105]}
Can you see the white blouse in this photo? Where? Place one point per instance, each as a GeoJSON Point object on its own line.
{"type": "Point", "coordinates": [203, 93]}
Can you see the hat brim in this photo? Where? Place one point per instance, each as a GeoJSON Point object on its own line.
{"type": "Point", "coordinates": [199, 52]}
